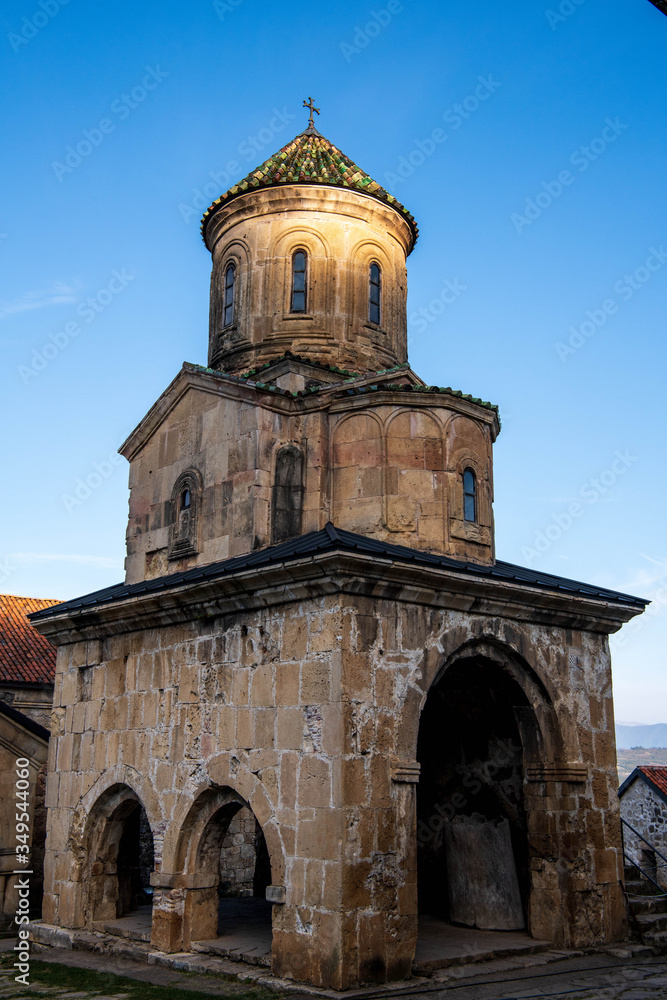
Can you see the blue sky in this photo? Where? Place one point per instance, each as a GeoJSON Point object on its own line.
{"type": "Point", "coordinates": [542, 203]}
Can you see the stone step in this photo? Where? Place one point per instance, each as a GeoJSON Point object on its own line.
{"type": "Point", "coordinates": [649, 904]}
{"type": "Point", "coordinates": [652, 922]}
{"type": "Point", "coordinates": [656, 941]}
{"type": "Point", "coordinates": [640, 888]}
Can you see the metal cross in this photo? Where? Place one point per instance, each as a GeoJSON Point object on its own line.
{"type": "Point", "coordinates": [309, 104]}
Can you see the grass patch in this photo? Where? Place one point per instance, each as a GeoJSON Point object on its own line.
{"type": "Point", "coordinates": [67, 978]}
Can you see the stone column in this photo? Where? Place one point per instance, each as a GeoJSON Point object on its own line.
{"type": "Point", "coordinates": [185, 909]}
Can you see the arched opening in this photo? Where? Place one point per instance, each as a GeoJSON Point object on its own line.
{"type": "Point", "coordinates": [224, 846]}
{"type": "Point", "coordinates": [120, 864]}
{"type": "Point", "coordinates": [476, 729]}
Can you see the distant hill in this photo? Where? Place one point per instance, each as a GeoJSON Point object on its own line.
{"type": "Point", "coordinates": [628, 760]}
{"type": "Point", "coordinates": [641, 736]}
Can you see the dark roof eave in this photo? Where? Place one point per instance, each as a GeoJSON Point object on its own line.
{"type": "Point", "coordinates": [34, 728]}
{"type": "Point", "coordinates": [331, 539]}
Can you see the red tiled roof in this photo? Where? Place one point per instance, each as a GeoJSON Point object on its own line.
{"type": "Point", "coordinates": [657, 776]}
{"type": "Point", "coordinates": [25, 655]}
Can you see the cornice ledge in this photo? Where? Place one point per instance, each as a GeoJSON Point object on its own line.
{"type": "Point", "coordinates": [337, 572]}
{"type": "Point", "coordinates": [413, 400]}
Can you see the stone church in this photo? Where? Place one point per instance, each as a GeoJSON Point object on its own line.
{"type": "Point", "coordinates": [314, 633]}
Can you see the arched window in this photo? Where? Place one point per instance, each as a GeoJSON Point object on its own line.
{"type": "Point", "coordinates": [185, 506]}
{"type": "Point", "coordinates": [298, 304]}
{"type": "Point", "coordinates": [374, 292]}
{"type": "Point", "coordinates": [230, 278]}
{"type": "Point", "coordinates": [469, 495]}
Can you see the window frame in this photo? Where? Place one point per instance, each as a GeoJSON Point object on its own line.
{"type": "Point", "coordinates": [371, 285]}
{"type": "Point", "coordinates": [299, 291]}
{"type": "Point", "coordinates": [470, 495]}
{"type": "Point", "coordinates": [231, 305]}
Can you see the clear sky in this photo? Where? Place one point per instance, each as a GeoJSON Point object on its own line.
{"type": "Point", "coordinates": [528, 140]}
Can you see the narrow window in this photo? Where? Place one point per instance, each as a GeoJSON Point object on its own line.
{"type": "Point", "coordinates": [230, 277]}
{"type": "Point", "coordinates": [299, 282]}
{"type": "Point", "coordinates": [374, 288]}
{"type": "Point", "coordinates": [185, 499]}
{"type": "Point", "coordinates": [287, 499]}
{"type": "Point", "coordinates": [469, 496]}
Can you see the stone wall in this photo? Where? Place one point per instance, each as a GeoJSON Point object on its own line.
{"type": "Point", "coordinates": [308, 713]}
{"type": "Point", "coordinates": [238, 855]}
{"type": "Point", "coordinates": [35, 701]}
{"type": "Point", "coordinates": [392, 472]}
{"type": "Point", "coordinates": [646, 811]}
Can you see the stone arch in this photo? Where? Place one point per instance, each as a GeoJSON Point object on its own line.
{"type": "Point", "coordinates": [484, 721]}
{"type": "Point", "coordinates": [278, 279]}
{"type": "Point", "coordinates": [548, 742]}
{"type": "Point", "coordinates": [288, 240]}
{"type": "Point", "coordinates": [438, 661]}
{"type": "Point", "coordinates": [357, 473]}
{"type": "Point", "coordinates": [287, 493]}
{"type": "Point", "coordinates": [195, 851]}
{"type": "Point", "coordinates": [110, 855]}
{"type": "Point", "coordinates": [415, 479]}
{"type": "Point", "coordinates": [466, 443]}
{"type": "Point", "coordinates": [228, 774]}
{"type": "Point", "coordinates": [119, 774]}
{"type": "Point", "coordinates": [427, 417]}
{"type": "Point", "coordinates": [192, 841]}
{"type": "Point", "coordinates": [363, 254]}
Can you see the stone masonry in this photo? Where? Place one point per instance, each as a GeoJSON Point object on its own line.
{"type": "Point", "coordinates": [238, 855]}
{"type": "Point", "coordinates": [643, 797]}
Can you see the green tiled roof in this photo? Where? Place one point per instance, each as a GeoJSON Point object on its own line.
{"type": "Point", "coordinates": [310, 159]}
{"type": "Point", "coordinates": [340, 389]}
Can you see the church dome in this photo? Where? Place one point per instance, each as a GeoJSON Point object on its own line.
{"type": "Point", "coordinates": [309, 257]}
{"type": "Point", "coordinates": [310, 158]}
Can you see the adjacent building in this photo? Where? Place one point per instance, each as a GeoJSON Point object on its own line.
{"type": "Point", "coordinates": [27, 668]}
{"type": "Point", "coordinates": [643, 798]}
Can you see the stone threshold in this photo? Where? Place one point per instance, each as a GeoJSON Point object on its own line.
{"type": "Point", "coordinates": [441, 945]}
{"type": "Point", "coordinates": [134, 926]}
{"type": "Point", "coordinates": [241, 948]}
{"type": "Point", "coordinates": [48, 938]}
